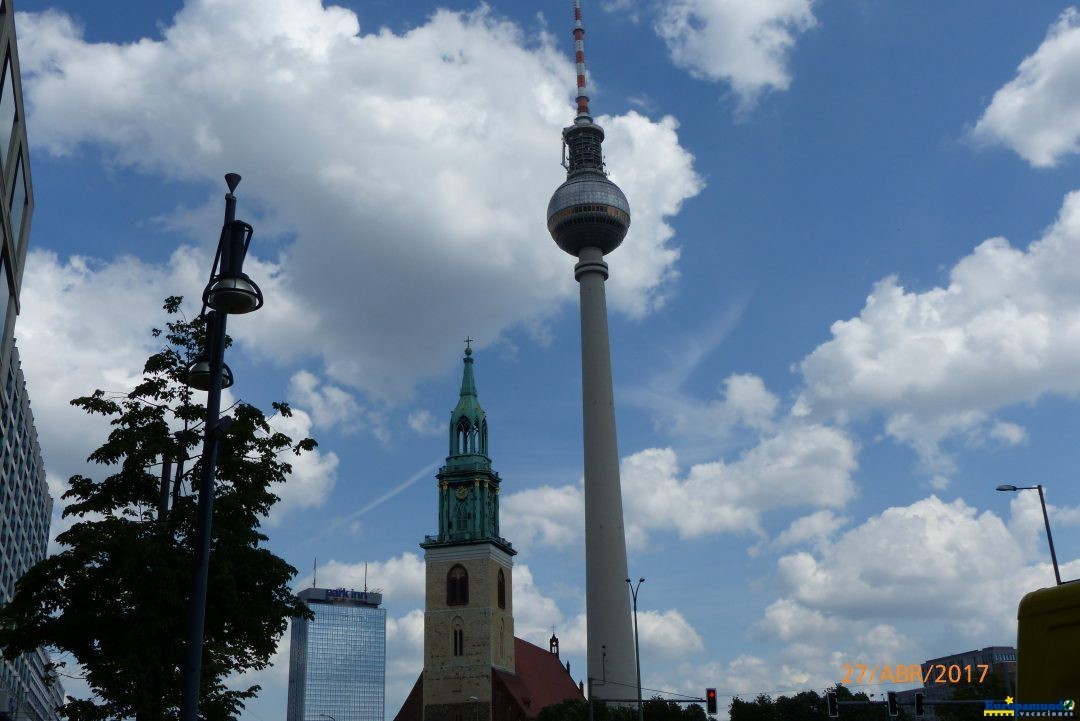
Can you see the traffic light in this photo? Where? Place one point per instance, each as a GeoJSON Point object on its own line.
{"type": "Point", "coordinates": [710, 700]}
{"type": "Point", "coordinates": [918, 704]}
{"type": "Point", "coordinates": [893, 710]}
{"type": "Point", "coordinates": [834, 708]}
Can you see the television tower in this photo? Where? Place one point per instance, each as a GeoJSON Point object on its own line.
{"type": "Point", "coordinates": [588, 217]}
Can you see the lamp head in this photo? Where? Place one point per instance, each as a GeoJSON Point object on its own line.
{"type": "Point", "coordinates": [1007, 487]}
{"type": "Point", "coordinates": [231, 290]}
{"type": "Point", "coordinates": [232, 180]}
{"type": "Point", "coordinates": [234, 296]}
{"type": "Point", "coordinates": [641, 580]}
{"type": "Point", "coordinates": [199, 375]}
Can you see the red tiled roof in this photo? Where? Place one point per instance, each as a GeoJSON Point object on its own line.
{"type": "Point", "coordinates": [413, 708]}
{"type": "Point", "coordinates": [541, 680]}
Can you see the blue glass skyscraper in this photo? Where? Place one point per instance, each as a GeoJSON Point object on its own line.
{"type": "Point", "coordinates": [337, 662]}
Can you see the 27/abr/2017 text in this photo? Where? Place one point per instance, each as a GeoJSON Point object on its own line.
{"type": "Point", "coordinates": [898, 673]}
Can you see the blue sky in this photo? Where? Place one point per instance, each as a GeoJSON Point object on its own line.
{"type": "Point", "coordinates": [846, 310]}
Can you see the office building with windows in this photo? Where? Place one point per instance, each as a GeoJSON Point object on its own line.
{"type": "Point", "coordinates": [27, 692]}
{"type": "Point", "coordinates": [337, 661]}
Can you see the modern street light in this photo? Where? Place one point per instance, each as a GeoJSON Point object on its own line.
{"type": "Point", "coordinates": [1046, 520]}
{"type": "Point", "coordinates": [229, 290]}
{"type": "Point", "coordinates": [637, 649]}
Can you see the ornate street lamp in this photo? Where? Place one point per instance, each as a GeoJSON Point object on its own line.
{"type": "Point", "coordinates": [1046, 520]}
{"type": "Point", "coordinates": [228, 291]}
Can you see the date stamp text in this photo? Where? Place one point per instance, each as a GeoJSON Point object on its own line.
{"type": "Point", "coordinates": [935, 673]}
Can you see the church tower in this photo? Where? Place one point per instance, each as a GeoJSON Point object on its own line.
{"type": "Point", "coordinates": [468, 616]}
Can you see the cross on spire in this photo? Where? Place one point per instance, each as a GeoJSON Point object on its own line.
{"type": "Point", "coordinates": [468, 345]}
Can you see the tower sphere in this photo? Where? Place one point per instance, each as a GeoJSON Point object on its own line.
{"type": "Point", "coordinates": [588, 211]}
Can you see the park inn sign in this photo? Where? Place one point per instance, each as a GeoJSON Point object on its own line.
{"type": "Point", "coordinates": [330, 595]}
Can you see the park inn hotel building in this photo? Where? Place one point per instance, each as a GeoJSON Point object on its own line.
{"type": "Point", "coordinates": [26, 692]}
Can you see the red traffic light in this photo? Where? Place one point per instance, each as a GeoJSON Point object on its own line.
{"type": "Point", "coordinates": [710, 700]}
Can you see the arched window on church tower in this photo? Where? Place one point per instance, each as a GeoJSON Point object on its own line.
{"type": "Point", "coordinates": [458, 634]}
{"type": "Point", "coordinates": [483, 437]}
{"type": "Point", "coordinates": [463, 430]}
{"type": "Point", "coordinates": [457, 586]}
{"type": "Point", "coordinates": [502, 589]}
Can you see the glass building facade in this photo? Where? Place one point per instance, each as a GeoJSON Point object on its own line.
{"type": "Point", "coordinates": [27, 691]}
{"type": "Point", "coordinates": [337, 662]}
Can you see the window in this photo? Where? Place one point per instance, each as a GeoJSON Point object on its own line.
{"type": "Point", "coordinates": [457, 586]}
{"type": "Point", "coordinates": [463, 430]}
{"type": "Point", "coordinates": [458, 634]}
{"type": "Point", "coordinates": [5, 297]}
{"type": "Point", "coordinates": [18, 202]}
{"type": "Point", "coordinates": [502, 589]}
{"type": "Point", "coordinates": [7, 110]}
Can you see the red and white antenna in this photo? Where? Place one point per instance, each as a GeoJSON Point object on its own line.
{"type": "Point", "coordinates": [579, 58]}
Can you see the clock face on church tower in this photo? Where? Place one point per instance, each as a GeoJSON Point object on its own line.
{"type": "Point", "coordinates": [462, 493]}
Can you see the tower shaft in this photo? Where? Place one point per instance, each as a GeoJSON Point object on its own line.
{"type": "Point", "coordinates": [607, 606]}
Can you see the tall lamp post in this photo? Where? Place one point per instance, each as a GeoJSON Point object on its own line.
{"type": "Point", "coordinates": [637, 649]}
{"type": "Point", "coordinates": [229, 291]}
{"type": "Point", "coordinates": [1046, 520]}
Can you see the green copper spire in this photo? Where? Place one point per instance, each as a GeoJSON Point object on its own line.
{"type": "Point", "coordinates": [468, 424]}
{"type": "Point", "coordinates": [468, 487]}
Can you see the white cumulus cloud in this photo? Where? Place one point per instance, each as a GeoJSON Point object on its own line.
{"type": "Point", "coordinates": [313, 473]}
{"type": "Point", "coordinates": [799, 465]}
{"type": "Point", "coordinates": [401, 578]}
{"type": "Point", "coordinates": [743, 42]}
{"type": "Point", "coordinates": [938, 364]}
{"type": "Point", "coordinates": [398, 167]}
{"type": "Point", "coordinates": [1037, 113]}
{"type": "Point", "coordinates": [668, 634]}
{"type": "Point", "coordinates": [66, 357]}
{"type": "Point", "coordinates": [943, 564]}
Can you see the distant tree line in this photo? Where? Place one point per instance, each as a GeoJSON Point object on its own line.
{"type": "Point", "coordinates": [808, 705]}
{"type": "Point", "coordinates": [803, 706]}
{"type": "Point", "coordinates": [654, 709]}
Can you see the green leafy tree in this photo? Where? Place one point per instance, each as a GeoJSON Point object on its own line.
{"type": "Point", "coordinates": [569, 710]}
{"type": "Point", "coordinates": [803, 706]}
{"type": "Point", "coordinates": [115, 596]}
{"type": "Point", "coordinates": [659, 709]}
{"type": "Point", "coordinates": [578, 710]}
{"type": "Point", "coordinates": [762, 708]}
{"type": "Point", "coordinates": [654, 709]}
